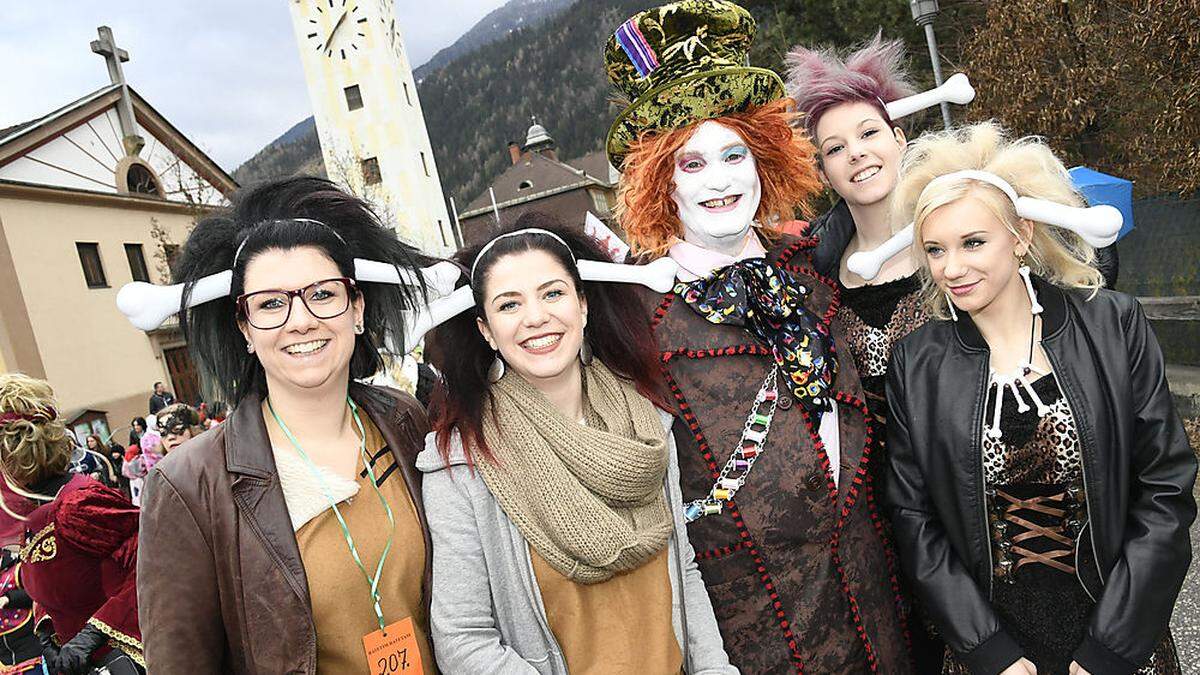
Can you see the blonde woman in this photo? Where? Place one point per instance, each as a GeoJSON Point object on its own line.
{"type": "Point", "coordinates": [1040, 477]}
{"type": "Point", "coordinates": [78, 538]}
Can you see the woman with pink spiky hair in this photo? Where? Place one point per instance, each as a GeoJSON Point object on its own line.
{"type": "Point", "coordinates": [859, 147]}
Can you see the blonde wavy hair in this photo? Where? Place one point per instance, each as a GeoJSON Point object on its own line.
{"type": "Point", "coordinates": [31, 450]}
{"type": "Point", "coordinates": [1060, 256]}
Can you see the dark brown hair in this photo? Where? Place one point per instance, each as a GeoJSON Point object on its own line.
{"type": "Point", "coordinates": [618, 330]}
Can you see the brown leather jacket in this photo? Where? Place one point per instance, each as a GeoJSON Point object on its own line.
{"type": "Point", "coordinates": [221, 587]}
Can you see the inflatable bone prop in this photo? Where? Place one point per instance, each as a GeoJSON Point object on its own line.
{"type": "Point", "coordinates": [658, 275]}
{"type": "Point", "coordinates": [147, 305]}
{"type": "Point", "coordinates": [957, 89]}
{"type": "Point", "coordinates": [1097, 225]}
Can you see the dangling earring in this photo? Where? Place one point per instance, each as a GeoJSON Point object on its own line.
{"type": "Point", "coordinates": [585, 353]}
{"type": "Point", "coordinates": [496, 370]}
{"type": "Point", "coordinates": [1034, 306]}
{"type": "Point", "coordinates": [950, 304]}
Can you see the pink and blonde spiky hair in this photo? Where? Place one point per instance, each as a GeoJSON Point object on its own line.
{"type": "Point", "coordinates": [819, 79]}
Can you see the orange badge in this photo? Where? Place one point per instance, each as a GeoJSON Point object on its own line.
{"type": "Point", "coordinates": [393, 650]}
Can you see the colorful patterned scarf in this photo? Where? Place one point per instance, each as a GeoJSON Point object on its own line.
{"type": "Point", "coordinates": [768, 302]}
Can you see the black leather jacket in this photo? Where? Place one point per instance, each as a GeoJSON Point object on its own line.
{"type": "Point", "coordinates": [835, 227]}
{"type": "Point", "coordinates": [1138, 474]}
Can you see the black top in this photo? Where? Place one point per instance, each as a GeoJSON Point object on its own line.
{"type": "Point", "coordinates": [160, 401]}
{"type": "Point", "coordinates": [874, 317]}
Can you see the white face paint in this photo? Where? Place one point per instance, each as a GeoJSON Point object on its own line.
{"type": "Point", "coordinates": [717, 188]}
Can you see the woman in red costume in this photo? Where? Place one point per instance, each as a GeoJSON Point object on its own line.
{"type": "Point", "coordinates": [78, 538]}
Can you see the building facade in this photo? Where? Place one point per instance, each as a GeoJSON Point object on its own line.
{"type": "Point", "coordinates": [538, 181]}
{"type": "Point", "coordinates": [89, 202]}
{"type": "Point", "coordinates": [368, 117]}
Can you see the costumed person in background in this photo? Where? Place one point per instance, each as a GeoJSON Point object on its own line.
{"type": "Point", "coordinates": [559, 539]}
{"type": "Point", "coordinates": [174, 424]}
{"type": "Point", "coordinates": [297, 524]}
{"type": "Point", "coordinates": [20, 649]}
{"type": "Point", "coordinates": [177, 423]}
{"type": "Point", "coordinates": [139, 459]}
{"type": "Point", "coordinates": [78, 538]}
{"type": "Point", "coordinates": [1041, 481]}
{"type": "Point", "coordinates": [773, 435]}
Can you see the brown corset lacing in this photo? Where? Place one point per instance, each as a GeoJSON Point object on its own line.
{"type": "Point", "coordinates": [1015, 549]}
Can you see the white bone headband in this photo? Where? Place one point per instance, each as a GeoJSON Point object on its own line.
{"type": "Point", "coordinates": [148, 305]}
{"type": "Point", "coordinates": [957, 89]}
{"type": "Point", "coordinates": [529, 230]}
{"type": "Point", "coordinates": [1097, 225]}
{"type": "Point", "coordinates": [238, 253]}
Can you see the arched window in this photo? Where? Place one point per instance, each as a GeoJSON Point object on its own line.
{"type": "Point", "coordinates": [525, 185]}
{"type": "Point", "coordinates": [140, 180]}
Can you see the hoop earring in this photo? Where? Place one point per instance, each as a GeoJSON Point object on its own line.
{"type": "Point", "coordinates": [950, 304]}
{"type": "Point", "coordinates": [496, 370]}
{"type": "Point", "coordinates": [585, 353]}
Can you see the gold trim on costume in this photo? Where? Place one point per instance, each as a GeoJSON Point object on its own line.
{"type": "Point", "coordinates": [41, 547]}
{"type": "Point", "coordinates": [117, 640]}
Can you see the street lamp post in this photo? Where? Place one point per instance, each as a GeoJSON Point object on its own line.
{"type": "Point", "coordinates": [924, 12]}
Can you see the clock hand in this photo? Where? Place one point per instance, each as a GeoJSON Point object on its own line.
{"type": "Point", "coordinates": [336, 26]}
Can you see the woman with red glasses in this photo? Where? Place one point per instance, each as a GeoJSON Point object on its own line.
{"type": "Point", "coordinates": [292, 537]}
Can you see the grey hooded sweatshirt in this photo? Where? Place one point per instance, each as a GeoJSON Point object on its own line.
{"type": "Point", "coordinates": [486, 612]}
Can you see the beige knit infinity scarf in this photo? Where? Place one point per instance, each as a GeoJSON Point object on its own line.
{"type": "Point", "coordinates": [589, 499]}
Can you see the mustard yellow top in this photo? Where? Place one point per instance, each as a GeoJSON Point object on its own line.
{"type": "Point", "coordinates": [340, 595]}
{"type": "Point", "coordinates": [622, 625]}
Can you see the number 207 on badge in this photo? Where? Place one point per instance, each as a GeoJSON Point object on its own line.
{"type": "Point", "coordinates": [393, 650]}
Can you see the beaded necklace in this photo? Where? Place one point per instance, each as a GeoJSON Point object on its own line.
{"type": "Point", "coordinates": [737, 469]}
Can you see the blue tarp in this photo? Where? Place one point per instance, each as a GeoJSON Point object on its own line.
{"type": "Point", "coordinates": [1101, 188]}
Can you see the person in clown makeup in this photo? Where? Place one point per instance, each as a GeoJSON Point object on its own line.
{"type": "Point", "coordinates": [772, 431]}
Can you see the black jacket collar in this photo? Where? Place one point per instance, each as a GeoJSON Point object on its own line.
{"type": "Point", "coordinates": [834, 229]}
{"type": "Point", "coordinates": [1054, 316]}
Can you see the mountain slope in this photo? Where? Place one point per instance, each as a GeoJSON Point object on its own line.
{"type": "Point", "coordinates": [497, 24]}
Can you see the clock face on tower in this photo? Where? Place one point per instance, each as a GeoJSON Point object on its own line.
{"type": "Point", "coordinates": [336, 27]}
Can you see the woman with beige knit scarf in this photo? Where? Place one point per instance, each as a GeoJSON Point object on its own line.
{"type": "Point", "coordinates": [551, 481]}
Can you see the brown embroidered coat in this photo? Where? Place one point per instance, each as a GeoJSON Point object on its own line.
{"type": "Point", "coordinates": [798, 575]}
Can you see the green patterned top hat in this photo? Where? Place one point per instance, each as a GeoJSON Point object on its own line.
{"type": "Point", "coordinates": [680, 63]}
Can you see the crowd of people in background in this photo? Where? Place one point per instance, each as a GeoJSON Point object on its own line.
{"type": "Point", "coordinates": [150, 438]}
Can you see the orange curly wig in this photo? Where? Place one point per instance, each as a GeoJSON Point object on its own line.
{"type": "Point", "coordinates": [786, 167]}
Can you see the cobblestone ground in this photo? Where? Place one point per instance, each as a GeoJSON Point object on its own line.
{"type": "Point", "coordinates": [1185, 622]}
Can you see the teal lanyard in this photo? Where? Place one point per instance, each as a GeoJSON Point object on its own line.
{"type": "Point", "coordinates": [373, 581]}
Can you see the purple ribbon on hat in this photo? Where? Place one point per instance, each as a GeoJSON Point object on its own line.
{"type": "Point", "coordinates": [630, 37]}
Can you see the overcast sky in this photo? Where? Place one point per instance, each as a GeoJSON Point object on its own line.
{"type": "Point", "coordinates": [225, 72]}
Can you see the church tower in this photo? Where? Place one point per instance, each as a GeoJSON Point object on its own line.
{"type": "Point", "coordinates": [369, 121]}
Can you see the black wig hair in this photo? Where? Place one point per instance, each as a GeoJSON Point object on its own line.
{"type": "Point", "coordinates": [279, 215]}
{"type": "Point", "coordinates": [618, 330]}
